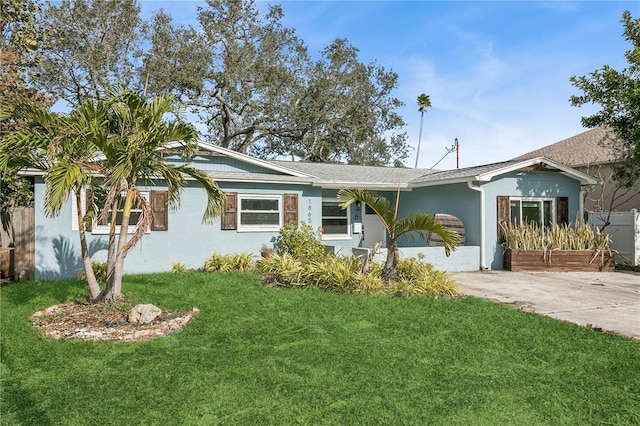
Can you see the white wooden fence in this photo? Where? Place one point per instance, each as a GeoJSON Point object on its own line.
{"type": "Point", "coordinates": [624, 229]}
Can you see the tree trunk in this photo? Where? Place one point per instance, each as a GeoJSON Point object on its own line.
{"type": "Point", "coordinates": [94, 287]}
{"type": "Point", "coordinates": [372, 253]}
{"type": "Point", "coordinates": [115, 291]}
{"type": "Point", "coordinates": [390, 270]}
{"type": "Point", "coordinates": [111, 250]}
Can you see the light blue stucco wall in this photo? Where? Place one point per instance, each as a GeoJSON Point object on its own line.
{"type": "Point", "coordinates": [454, 199]}
{"type": "Point", "coordinates": [461, 201]}
{"type": "Point", "coordinates": [532, 184]}
{"type": "Point", "coordinates": [187, 240]}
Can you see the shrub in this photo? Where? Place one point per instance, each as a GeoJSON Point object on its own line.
{"type": "Point", "coordinates": [99, 270]}
{"type": "Point", "coordinates": [332, 272]}
{"type": "Point", "coordinates": [282, 270]}
{"type": "Point", "coordinates": [420, 278]}
{"type": "Point", "coordinates": [371, 283]}
{"type": "Point", "coordinates": [177, 267]}
{"type": "Point", "coordinates": [301, 242]}
{"type": "Point", "coordinates": [342, 274]}
{"type": "Point", "coordinates": [229, 262]}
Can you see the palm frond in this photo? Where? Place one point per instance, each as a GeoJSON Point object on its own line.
{"type": "Point", "coordinates": [62, 178]}
{"type": "Point", "coordinates": [379, 204]}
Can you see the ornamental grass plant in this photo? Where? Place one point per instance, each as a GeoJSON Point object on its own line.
{"type": "Point", "coordinates": [229, 262]}
{"type": "Point", "coordinates": [302, 261]}
{"type": "Point", "coordinates": [532, 236]}
{"type": "Point", "coordinates": [330, 272]}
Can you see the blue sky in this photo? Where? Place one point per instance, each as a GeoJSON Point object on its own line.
{"type": "Point", "coordinates": [497, 72]}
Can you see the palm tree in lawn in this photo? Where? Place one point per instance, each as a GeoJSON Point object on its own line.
{"type": "Point", "coordinates": [419, 223]}
{"type": "Point", "coordinates": [423, 103]}
{"type": "Point", "coordinates": [139, 129]}
{"type": "Point", "coordinates": [120, 139]}
{"type": "Point", "coordinates": [47, 142]}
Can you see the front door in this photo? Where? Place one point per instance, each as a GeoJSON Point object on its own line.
{"type": "Point", "coordinates": [372, 228]}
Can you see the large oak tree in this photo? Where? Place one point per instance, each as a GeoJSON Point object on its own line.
{"type": "Point", "coordinates": [95, 45]}
{"type": "Point", "coordinates": [249, 79]}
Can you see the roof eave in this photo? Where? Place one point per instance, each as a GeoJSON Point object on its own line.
{"type": "Point", "coordinates": [262, 181]}
{"type": "Point", "coordinates": [449, 181]}
{"type": "Point", "coordinates": [363, 185]}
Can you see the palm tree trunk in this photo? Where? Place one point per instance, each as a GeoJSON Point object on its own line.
{"type": "Point", "coordinates": [419, 139]}
{"type": "Point", "coordinates": [94, 287]}
{"type": "Point", "coordinates": [111, 250]}
{"type": "Point", "coordinates": [390, 270]}
{"type": "Point", "coordinates": [121, 250]}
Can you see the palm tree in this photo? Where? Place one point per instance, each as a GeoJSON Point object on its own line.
{"type": "Point", "coordinates": [423, 103]}
{"type": "Point", "coordinates": [121, 139]}
{"type": "Point", "coordinates": [139, 130]}
{"type": "Point", "coordinates": [44, 143]}
{"type": "Point", "coordinates": [397, 227]}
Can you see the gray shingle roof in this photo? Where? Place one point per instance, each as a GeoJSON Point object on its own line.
{"type": "Point", "coordinates": [343, 175]}
{"type": "Point", "coordinates": [355, 175]}
{"type": "Point", "coordinates": [579, 150]}
{"type": "Point", "coordinates": [464, 173]}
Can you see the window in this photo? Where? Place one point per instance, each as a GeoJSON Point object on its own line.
{"type": "Point", "coordinates": [519, 210]}
{"type": "Point", "coordinates": [158, 200]}
{"type": "Point", "coordinates": [335, 221]}
{"type": "Point", "coordinates": [527, 210]}
{"type": "Point", "coordinates": [259, 212]}
{"type": "Point", "coordinates": [102, 227]}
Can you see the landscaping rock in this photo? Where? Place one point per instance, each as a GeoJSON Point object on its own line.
{"type": "Point", "coordinates": [144, 314]}
{"type": "Point", "coordinates": [86, 321]}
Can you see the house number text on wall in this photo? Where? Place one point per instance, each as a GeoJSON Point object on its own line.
{"type": "Point", "coordinates": [309, 214]}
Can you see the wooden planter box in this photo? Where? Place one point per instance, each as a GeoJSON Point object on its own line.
{"type": "Point", "coordinates": [559, 260]}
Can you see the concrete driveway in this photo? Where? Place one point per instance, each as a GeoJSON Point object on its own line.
{"type": "Point", "coordinates": [609, 301]}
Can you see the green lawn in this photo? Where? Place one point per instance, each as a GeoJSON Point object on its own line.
{"type": "Point", "coordinates": [255, 355]}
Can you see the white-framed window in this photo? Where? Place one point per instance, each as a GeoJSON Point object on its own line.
{"type": "Point", "coordinates": [526, 210]}
{"type": "Point", "coordinates": [103, 227]}
{"type": "Point", "coordinates": [259, 212]}
{"type": "Point", "coordinates": [99, 228]}
{"type": "Point", "coordinates": [335, 221]}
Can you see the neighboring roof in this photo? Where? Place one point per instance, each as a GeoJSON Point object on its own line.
{"type": "Point", "coordinates": [579, 150]}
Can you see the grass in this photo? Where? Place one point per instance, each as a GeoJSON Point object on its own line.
{"type": "Point", "coordinates": [255, 355]}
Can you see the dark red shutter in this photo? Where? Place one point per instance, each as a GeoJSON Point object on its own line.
{"type": "Point", "coordinates": [159, 208]}
{"type": "Point", "coordinates": [229, 211]}
{"type": "Point", "coordinates": [291, 209]}
{"type": "Point", "coordinates": [562, 210]}
{"type": "Point", "coordinates": [502, 213]}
